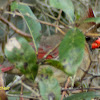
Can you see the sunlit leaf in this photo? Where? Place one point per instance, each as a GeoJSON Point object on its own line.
{"type": "Point", "coordinates": [46, 71]}
{"type": "Point", "coordinates": [71, 50]}
{"type": "Point", "coordinates": [13, 98]}
{"type": "Point", "coordinates": [96, 20]}
{"type": "Point", "coordinates": [55, 64]}
{"type": "Point", "coordinates": [19, 52]}
{"type": "Point", "coordinates": [83, 96]}
{"type": "Point", "coordinates": [49, 88]}
{"type": "Point", "coordinates": [31, 21]}
{"type": "Point", "coordinates": [66, 6]}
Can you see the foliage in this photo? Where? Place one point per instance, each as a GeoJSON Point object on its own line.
{"type": "Point", "coordinates": [31, 21]}
{"type": "Point", "coordinates": [66, 6]}
{"type": "Point", "coordinates": [71, 50]}
{"type": "Point", "coordinates": [97, 20]}
{"type": "Point", "coordinates": [19, 52]}
{"type": "Point", "coordinates": [83, 96]}
{"type": "Point", "coordinates": [49, 88]}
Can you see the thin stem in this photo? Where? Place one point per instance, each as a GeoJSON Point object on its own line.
{"type": "Point", "coordinates": [66, 86]}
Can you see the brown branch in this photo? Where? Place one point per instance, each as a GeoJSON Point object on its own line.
{"type": "Point", "coordinates": [50, 24]}
{"type": "Point", "coordinates": [66, 86]}
{"type": "Point", "coordinates": [12, 26]}
{"type": "Point", "coordinates": [50, 51]}
{"type": "Point", "coordinates": [58, 18]}
{"type": "Point", "coordinates": [92, 35]}
{"type": "Point", "coordinates": [90, 28]}
{"type": "Point", "coordinates": [47, 23]}
{"type": "Point", "coordinates": [67, 26]}
{"type": "Point", "coordinates": [78, 90]}
{"type": "Point", "coordinates": [87, 33]}
{"type": "Point", "coordinates": [24, 96]}
{"type": "Point", "coordinates": [23, 33]}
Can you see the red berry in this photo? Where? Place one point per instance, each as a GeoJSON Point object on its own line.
{"type": "Point", "coordinates": [95, 45]}
{"type": "Point", "coordinates": [98, 41]}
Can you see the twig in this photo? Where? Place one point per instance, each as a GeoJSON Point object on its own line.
{"type": "Point", "coordinates": [15, 82]}
{"type": "Point", "coordinates": [21, 93]}
{"type": "Point", "coordinates": [14, 13]}
{"type": "Point", "coordinates": [18, 81]}
{"type": "Point", "coordinates": [90, 73]}
{"type": "Point", "coordinates": [85, 72]}
{"type": "Point", "coordinates": [92, 27]}
{"type": "Point", "coordinates": [31, 5]}
{"type": "Point", "coordinates": [59, 15]}
{"type": "Point", "coordinates": [82, 3]}
{"type": "Point", "coordinates": [92, 35]}
{"type": "Point", "coordinates": [46, 23]}
{"type": "Point", "coordinates": [90, 57]}
{"type": "Point", "coordinates": [51, 50]}
{"type": "Point", "coordinates": [84, 89]}
{"type": "Point", "coordinates": [96, 3]}
{"type": "Point", "coordinates": [24, 96]}
{"type": "Point", "coordinates": [57, 22]}
{"type": "Point", "coordinates": [29, 88]}
{"type": "Point", "coordinates": [42, 22]}
{"type": "Point", "coordinates": [14, 27]}
{"type": "Point", "coordinates": [56, 19]}
{"type": "Point", "coordinates": [66, 86]}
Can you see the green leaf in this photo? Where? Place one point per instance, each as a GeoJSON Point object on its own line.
{"type": "Point", "coordinates": [83, 95]}
{"type": "Point", "coordinates": [96, 20]}
{"type": "Point", "coordinates": [71, 50]}
{"type": "Point", "coordinates": [55, 63]}
{"type": "Point", "coordinates": [13, 98]}
{"type": "Point", "coordinates": [50, 89]}
{"type": "Point", "coordinates": [14, 5]}
{"type": "Point", "coordinates": [66, 6]}
{"type": "Point", "coordinates": [1, 58]}
{"type": "Point", "coordinates": [46, 71]}
{"type": "Point", "coordinates": [31, 21]}
{"type": "Point", "coordinates": [19, 52]}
